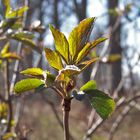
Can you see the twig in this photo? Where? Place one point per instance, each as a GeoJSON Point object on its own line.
{"type": "Point", "coordinates": [8, 97]}
{"type": "Point", "coordinates": [14, 77]}
{"type": "Point", "coordinates": [19, 49]}
{"type": "Point", "coordinates": [120, 118]}
{"type": "Point", "coordinates": [55, 113]}
{"type": "Point", "coordinates": [66, 103]}
{"type": "Point", "coordinates": [94, 127]}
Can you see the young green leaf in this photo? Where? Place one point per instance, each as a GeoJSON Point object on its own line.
{"type": "Point", "coordinates": [24, 34]}
{"type": "Point", "coordinates": [34, 72]}
{"type": "Point", "coordinates": [101, 102]}
{"type": "Point", "coordinates": [11, 55]}
{"type": "Point", "coordinates": [3, 110]}
{"type": "Point", "coordinates": [21, 10]}
{"type": "Point", "coordinates": [7, 7]}
{"type": "Point", "coordinates": [83, 53]}
{"type": "Point", "coordinates": [5, 49]}
{"type": "Point", "coordinates": [9, 135]}
{"type": "Point", "coordinates": [54, 59]}
{"type": "Point", "coordinates": [87, 63]}
{"type": "Point", "coordinates": [79, 36]}
{"type": "Point", "coordinates": [27, 84]}
{"type": "Point", "coordinates": [28, 42]}
{"type": "Point", "coordinates": [7, 23]}
{"type": "Point", "coordinates": [61, 43]}
{"type": "Point", "coordinates": [16, 13]}
{"type": "Point", "coordinates": [50, 78]}
{"type": "Point", "coordinates": [89, 85]}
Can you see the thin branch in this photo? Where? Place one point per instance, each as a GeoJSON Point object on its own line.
{"type": "Point", "coordinates": [120, 118]}
{"type": "Point", "coordinates": [66, 103]}
{"type": "Point", "coordinates": [55, 113]}
{"type": "Point", "coordinates": [19, 49]}
{"type": "Point", "coordinates": [94, 127]}
{"type": "Point", "coordinates": [8, 97]}
{"type": "Point", "coordinates": [18, 110]}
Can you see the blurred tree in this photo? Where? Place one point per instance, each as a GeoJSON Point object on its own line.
{"type": "Point", "coordinates": [115, 43]}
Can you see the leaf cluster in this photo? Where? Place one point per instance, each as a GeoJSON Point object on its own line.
{"type": "Point", "coordinates": [68, 60]}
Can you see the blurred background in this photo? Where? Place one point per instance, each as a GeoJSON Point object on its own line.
{"type": "Point", "coordinates": [118, 72]}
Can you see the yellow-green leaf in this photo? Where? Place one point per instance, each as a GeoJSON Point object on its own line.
{"type": "Point", "coordinates": [7, 23]}
{"type": "Point", "coordinates": [79, 36]}
{"type": "Point", "coordinates": [61, 43]}
{"type": "Point", "coordinates": [21, 11]}
{"type": "Point", "coordinates": [83, 53]}
{"type": "Point", "coordinates": [7, 6]}
{"type": "Point", "coordinates": [11, 55]}
{"type": "Point", "coordinates": [5, 49]}
{"type": "Point", "coordinates": [24, 34]}
{"type": "Point", "coordinates": [101, 102]}
{"type": "Point", "coordinates": [54, 59]}
{"type": "Point", "coordinates": [34, 72]}
{"type": "Point", "coordinates": [3, 110]}
{"type": "Point", "coordinates": [16, 13]}
{"type": "Point", "coordinates": [87, 63]}
{"type": "Point", "coordinates": [89, 85]}
{"type": "Point", "coordinates": [28, 42]}
{"type": "Point", "coordinates": [9, 135]}
{"type": "Point", "coordinates": [27, 84]}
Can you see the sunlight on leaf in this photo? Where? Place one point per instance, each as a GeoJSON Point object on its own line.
{"type": "Point", "coordinates": [9, 135]}
{"type": "Point", "coordinates": [53, 59]}
{"type": "Point", "coordinates": [7, 6]}
{"type": "Point", "coordinates": [101, 102]}
{"type": "Point", "coordinates": [79, 36]}
{"type": "Point", "coordinates": [35, 72]}
{"type": "Point", "coordinates": [89, 85]}
{"type": "Point", "coordinates": [28, 42]}
{"type": "Point", "coordinates": [27, 84]}
{"type": "Point", "coordinates": [3, 110]}
{"type": "Point", "coordinates": [11, 55]}
{"type": "Point", "coordinates": [5, 48]}
{"type": "Point", "coordinates": [87, 63]}
{"type": "Point", "coordinates": [61, 43]}
{"type": "Point", "coordinates": [87, 48]}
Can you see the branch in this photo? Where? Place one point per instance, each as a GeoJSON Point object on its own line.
{"type": "Point", "coordinates": [55, 112]}
{"type": "Point", "coordinates": [120, 118]}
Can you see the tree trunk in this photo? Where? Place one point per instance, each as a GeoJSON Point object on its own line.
{"type": "Point", "coordinates": [115, 45]}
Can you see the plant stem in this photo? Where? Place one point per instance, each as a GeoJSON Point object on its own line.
{"type": "Point", "coordinates": [66, 103]}
{"type": "Point", "coordinates": [8, 97]}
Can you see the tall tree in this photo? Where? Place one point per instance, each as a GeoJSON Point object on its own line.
{"type": "Point", "coordinates": [115, 44]}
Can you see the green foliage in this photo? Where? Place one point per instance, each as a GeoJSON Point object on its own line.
{"type": "Point", "coordinates": [10, 13]}
{"type": "Point", "coordinates": [89, 85]}
{"type": "Point", "coordinates": [54, 59]}
{"type": "Point", "coordinates": [11, 26]}
{"type": "Point", "coordinates": [6, 54]}
{"type": "Point", "coordinates": [27, 84]}
{"type": "Point", "coordinates": [9, 135]}
{"type": "Point", "coordinates": [101, 102]}
{"type": "Point", "coordinates": [34, 72]}
{"type": "Point", "coordinates": [79, 36]}
{"type": "Point", "coordinates": [72, 51]}
{"type": "Point", "coordinates": [83, 53]}
{"type": "Point", "coordinates": [3, 110]}
{"type": "Point", "coordinates": [61, 43]}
